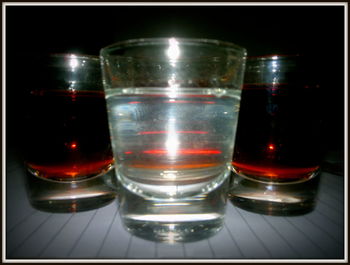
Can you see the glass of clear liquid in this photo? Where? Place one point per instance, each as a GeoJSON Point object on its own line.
{"type": "Point", "coordinates": [172, 107]}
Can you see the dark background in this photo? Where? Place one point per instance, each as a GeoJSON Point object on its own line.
{"type": "Point", "coordinates": [316, 31]}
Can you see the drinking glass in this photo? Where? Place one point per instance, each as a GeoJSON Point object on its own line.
{"type": "Point", "coordinates": [172, 108]}
{"type": "Point", "coordinates": [67, 143]}
{"type": "Point", "coordinates": [277, 151]}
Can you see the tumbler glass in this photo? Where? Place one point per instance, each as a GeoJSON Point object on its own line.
{"type": "Point", "coordinates": [277, 151]}
{"type": "Point", "coordinates": [172, 108]}
{"type": "Point", "coordinates": [67, 143]}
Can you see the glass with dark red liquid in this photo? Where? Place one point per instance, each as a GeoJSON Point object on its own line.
{"type": "Point", "coordinates": [277, 152]}
{"type": "Point", "coordinates": [70, 139]}
{"type": "Point", "coordinates": [67, 141]}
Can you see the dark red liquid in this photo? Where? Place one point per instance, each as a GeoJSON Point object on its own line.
{"type": "Point", "coordinates": [67, 134]}
{"type": "Point", "coordinates": [278, 132]}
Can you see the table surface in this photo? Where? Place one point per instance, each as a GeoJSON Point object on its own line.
{"type": "Point", "coordinates": [99, 234]}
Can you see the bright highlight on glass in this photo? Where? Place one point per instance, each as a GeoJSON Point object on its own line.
{"type": "Point", "coordinates": [173, 52]}
{"type": "Point", "coordinates": [73, 62]}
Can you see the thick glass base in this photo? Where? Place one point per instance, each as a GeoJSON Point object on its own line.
{"type": "Point", "coordinates": [177, 185]}
{"type": "Point", "coordinates": [274, 199]}
{"type": "Point", "coordinates": [74, 196]}
{"type": "Point", "coordinates": [174, 232]}
{"type": "Point", "coordinates": [180, 220]}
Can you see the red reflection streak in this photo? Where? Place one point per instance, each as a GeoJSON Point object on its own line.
{"type": "Point", "coordinates": [274, 172]}
{"type": "Point", "coordinates": [167, 166]}
{"type": "Point", "coordinates": [72, 170]}
{"type": "Point", "coordinates": [183, 152]}
{"type": "Point", "coordinates": [161, 132]}
{"type": "Point", "coordinates": [128, 152]}
{"type": "Point", "coordinates": [134, 102]}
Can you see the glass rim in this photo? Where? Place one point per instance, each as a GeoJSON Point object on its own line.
{"type": "Point", "coordinates": [163, 40]}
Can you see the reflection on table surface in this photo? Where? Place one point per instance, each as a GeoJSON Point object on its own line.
{"type": "Point", "coordinates": [99, 233]}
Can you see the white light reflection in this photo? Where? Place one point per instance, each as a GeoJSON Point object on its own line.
{"type": "Point", "coordinates": [169, 174]}
{"type": "Point", "coordinates": [173, 52]}
{"type": "Point", "coordinates": [172, 142]}
{"type": "Point", "coordinates": [270, 187]}
{"type": "Point", "coordinates": [171, 191]}
{"type": "Point", "coordinates": [274, 64]}
{"type": "Point", "coordinates": [274, 81]}
{"type": "Point", "coordinates": [73, 62]}
{"type": "Point", "coordinates": [172, 81]}
{"type": "Point", "coordinates": [173, 85]}
{"type": "Point", "coordinates": [72, 85]}
{"type": "Point", "coordinates": [171, 204]}
{"type": "Point", "coordinates": [174, 218]}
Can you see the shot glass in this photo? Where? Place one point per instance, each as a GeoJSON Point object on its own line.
{"type": "Point", "coordinates": [67, 143]}
{"type": "Point", "coordinates": [173, 107]}
{"type": "Point", "coordinates": [277, 151]}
